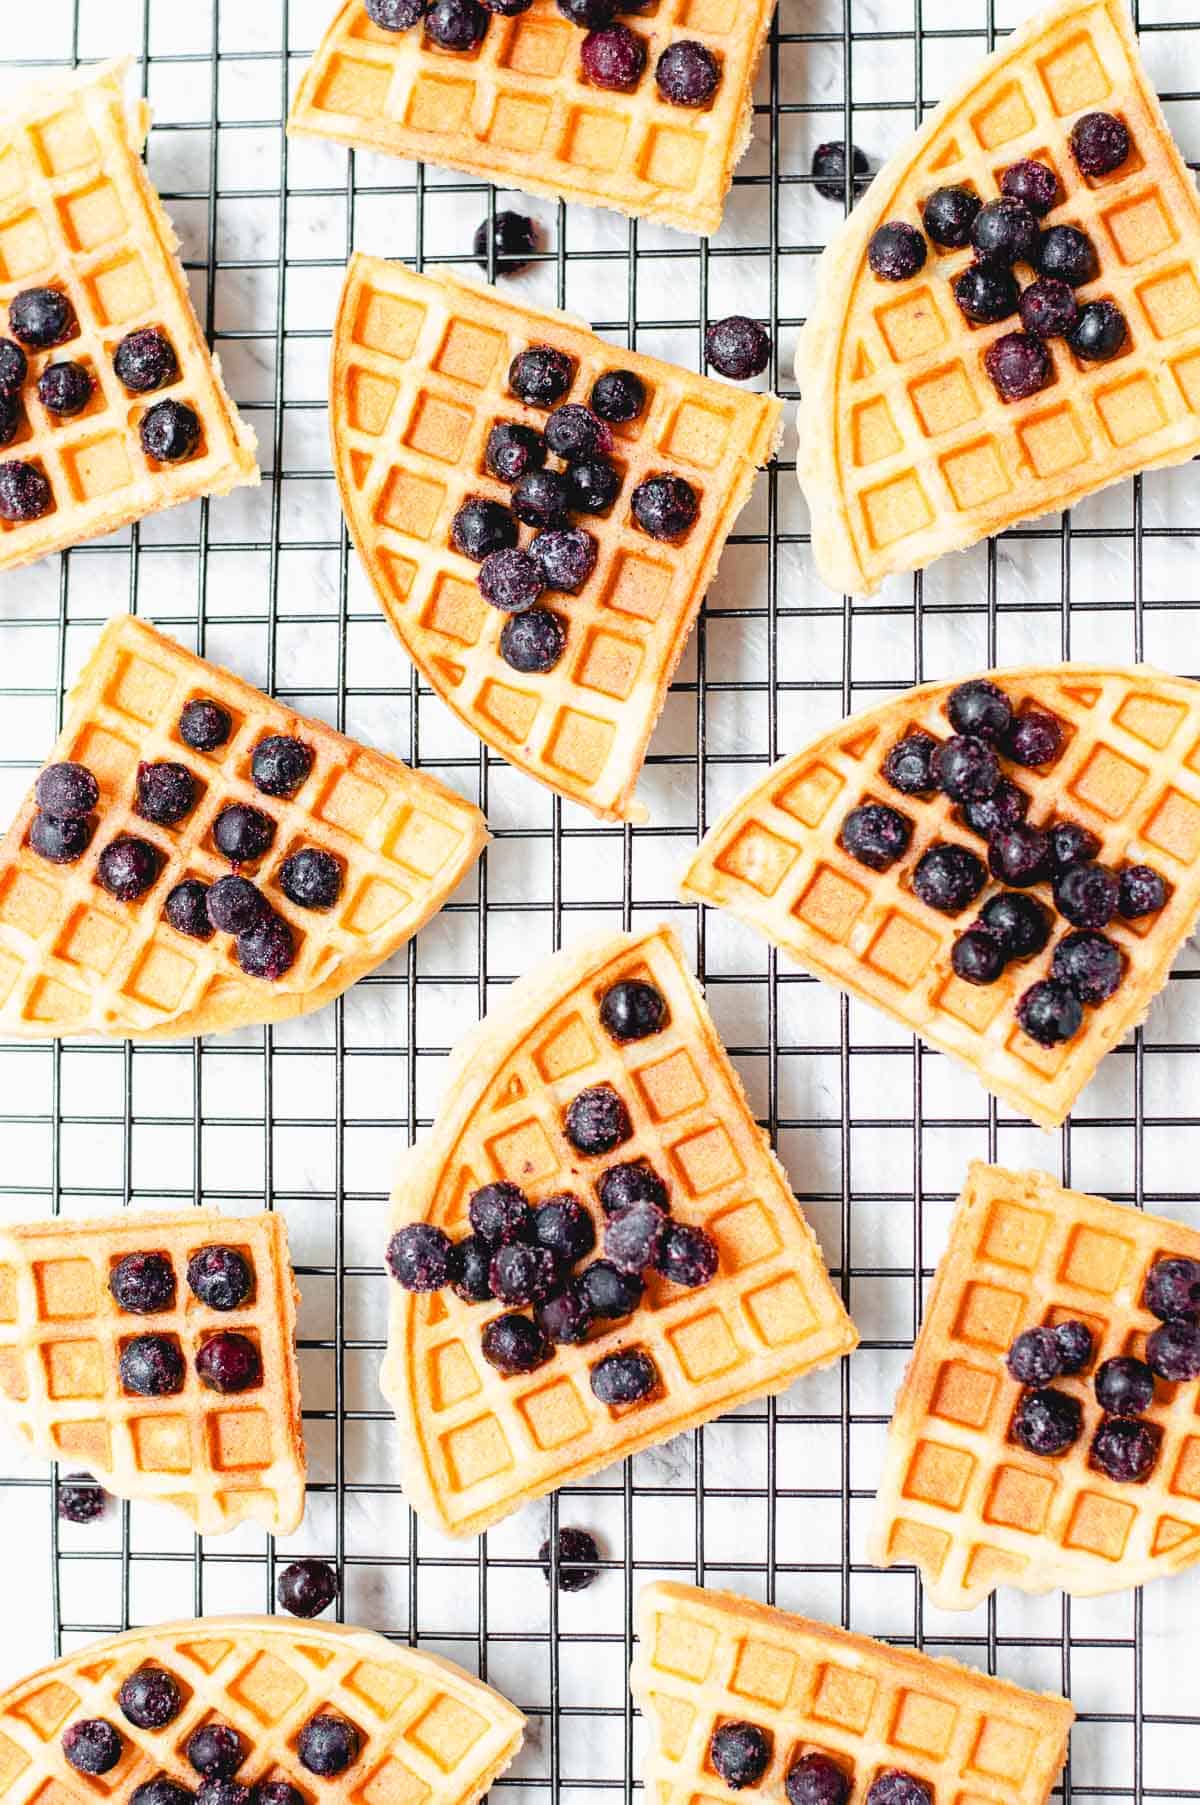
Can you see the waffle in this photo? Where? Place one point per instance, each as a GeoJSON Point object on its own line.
{"type": "Point", "coordinates": [707, 1658]}
{"type": "Point", "coordinates": [78, 213]}
{"type": "Point", "coordinates": [75, 961]}
{"type": "Point", "coordinates": [221, 1458]}
{"type": "Point", "coordinates": [961, 1501]}
{"type": "Point", "coordinates": [1130, 773]}
{"type": "Point", "coordinates": [519, 112]}
{"type": "Point", "coordinates": [477, 1445]}
{"type": "Point", "coordinates": [428, 1731]}
{"type": "Point", "coordinates": [906, 450]}
{"type": "Point", "coordinates": [420, 370]}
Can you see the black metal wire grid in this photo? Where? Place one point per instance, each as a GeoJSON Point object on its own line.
{"type": "Point", "coordinates": [875, 1130]}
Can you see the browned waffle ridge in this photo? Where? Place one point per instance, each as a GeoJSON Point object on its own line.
{"type": "Point", "coordinates": [1130, 773]}
{"type": "Point", "coordinates": [906, 450]}
{"type": "Point", "coordinates": [476, 1446]}
{"type": "Point", "coordinates": [962, 1502]}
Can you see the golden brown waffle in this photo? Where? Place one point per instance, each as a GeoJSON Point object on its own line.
{"type": "Point", "coordinates": [906, 450]}
{"type": "Point", "coordinates": [708, 1658]}
{"type": "Point", "coordinates": [960, 1500]}
{"type": "Point", "coordinates": [428, 1731]}
{"type": "Point", "coordinates": [222, 1458]}
{"type": "Point", "coordinates": [1130, 773]}
{"type": "Point", "coordinates": [73, 960]}
{"type": "Point", "coordinates": [518, 110]}
{"type": "Point", "coordinates": [476, 1445]}
{"type": "Point", "coordinates": [420, 376]}
{"type": "Point", "coordinates": [78, 213]}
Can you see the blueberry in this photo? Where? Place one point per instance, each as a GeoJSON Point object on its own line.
{"type": "Point", "coordinates": [277, 1792]}
{"type": "Point", "coordinates": [1087, 895]}
{"type": "Point", "coordinates": [542, 498]}
{"type": "Point", "coordinates": [92, 1745]}
{"type": "Point", "coordinates": [980, 708]}
{"type": "Point", "coordinates": [1049, 308]}
{"type": "Point", "coordinates": [896, 251]}
{"type": "Point", "coordinates": [574, 431]}
{"type": "Point", "coordinates": [909, 765]}
{"type": "Point", "coordinates": [1034, 183]}
{"type": "Point", "coordinates": [418, 1257]}
{"type": "Point", "coordinates": [1067, 252]}
{"type": "Point", "coordinates": [541, 376]}
{"type": "Point", "coordinates": [1099, 144]}
{"type": "Point", "coordinates": [1099, 333]}
{"type": "Point", "coordinates": [1124, 1386]}
{"type": "Point", "coordinates": [311, 878]}
{"type": "Point", "coordinates": [977, 956]}
{"type": "Point", "coordinates": [741, 1754]}
{"type": "Point", "coordinates": [1035, 739]}
{"type": "Point", "coordinates": [1172, 1287]}
{"type": "Point", "coordinates": [1034, 1357]}
{"type": "Point", "coordinates": [1047, 1422]}
{"type": "Point", "coordinates": [948, 878]}
{"type": "Point", "coordinates": [686, 1255]}
{"type": "Point", "coordinates": [513, 236]}
{"type": "Point", "coordinates": [470, 1269]}
{"type": "Point", "coordinates": [577, 1555]}
{"type": "Point", "coordinates": [589, 15]}
{"type": "Point", "coordinates": [481, 527]}
{"type": "Point", "coordinates": [1049, 1013]}
{"type": "Point", "coordinates": [566, 557]}
{"type": "Point", "coordinates": [220, 1277]}
{"type": "Point", "coordinates": [456, 24]}
{"type": "Point", "coordinates": [25, 493]}
{"type": "Point", "coordinates": [204, 725]}
{"type": "Point", "coordinates": [618, 396]}
{"type": "Point", "coordinates": [1020, 923]}
{"type": "Point", "coordinates": [967, 768]}
{"type": "Point", "coordinates": [1005, 231]}
{"type": "Point", "coordinates": [1074, 1345]}
{"type": "Point", "coordinates": [67, 790]}
{"type": "Point", "coordinates": [280, 764]}
{"type": "Point", "coordinates": [633, 1236]}
{"type": "Point", "coordinates": [665, 506]}
{"type": "Point", "coordinates": [634, 1182]}
{"type": "Point", "coordinates": [222, 1792]}
{"type": "Point", "coordinates": [1090, 964]}
{"type": "Point", "coordinates": [1018, 365]}
{"type": "Point", "coordinates": [306, 1588]}
{"type": "Point", "coordinates": [61, 841]}
{"type": "Point", "coordinates": [242, 834]}
{"type": "Point", "coordinates": [948, 216]}
{"type": "Point", "coordinates": [81, 1499]}
{"type": "Point", "coordinates": [614, 58]}
{"type": "Point", "coordinates": [150, 1698]}
{"type": "Point", "coordinates": [566, 1319]}
{"type": "Point", "coordinates": [985, 292]}
{"type": "Point", "coordinates": [229, 1362]}
{"type": "Point", "coordinates": [1173, 1350]}
{"type": "Point", "coordinates": [510, 581]}
{"type": "Point", "coordinates": [143, 1283]}
{"type": "Point", "coordinates": [1125, 1450]}
{"type": "Point", "coordinates": [737, 347]}
{"type": "Point", "coordinates": [533, 642]}
{"type": "Point", "coordinates": [151, 1366]}
{"type": "Point", "coordinates": [235, 905]}
{"type": "Point", "coordinates": [895, 1787]}
{"type": "Point", "coordinates": [875, 835]}
{"type": "Point", "coordinates": [145, 360]}
{"type": "Point", "coordinates": [632, 1010]}
{"type": "Point", "coordinates": [328, 1745]}
{"type": "Point", "coordinates": [1019, 855]}
{"type": "Point", "coordinates": [14, 367]}
{"type": "Point", "coordinates": [41, 317]}
{"type": "Point", "coordinates": [1006, 807]}
{"type": "Point", "coordinates": [816, 1779]}
{"type": "Point", "coordinates": [624, 1378]}
{"type": "Point", "coordinates": [161, 1791]}
{"type": "Point", "coordinates": [593, 485]}
{"type": "Point", "coordinates": [170, 432]}
{"type": "Point", "coordinates": [512, 450]}
{"type": "Point", "coordinates": [514, 1344]}
{"type": "Point", "coordinates": [128, 867]}
{"type": "Point", "coordinates": [1071, 844]}
{"type": "Point", "coordinates": [608, 1293]}
{"type": "Point", "coordinates": [64, 389]}
{"type": "Point", "coordinates": [521, 1274]}
{"type": "Point", "coordinates": [500, 1212]}
{"type": "Point", "coordinates": [166, 793]}
{"type": "Point", "coordinates": [395, 15]}
{"type": "Point", "coordinates": [10, 417]}
{"type": "Point", "coordinates": [687, 73]}
{"type": "Point", "coordinates": [215, 1750]}
{"type": "Point", "coordinates": [1143, 892]}
{"type": "Point", "coordinates": [829, 168]}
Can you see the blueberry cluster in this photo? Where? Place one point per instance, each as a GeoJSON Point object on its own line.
{"type": "Point", "coordinates": [152, 1366]}
{"type": "Point", "coordinates": [1087, 967]}
{"type": "Point", "coordinates": [1125, 1448]}
{"type": "Point", "coordinates": [740, 1753]}
{"type": "Point", "coordinates": [524, 1256]}
{"type": "Point", "coordinates": [1005, 232]}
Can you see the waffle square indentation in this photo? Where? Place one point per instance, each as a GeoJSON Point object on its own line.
{"type": "Point", "coordinates": [831, 904]}
{"type": "Point", "coordinates": [569, 1049]}
{"type": "Point", "coordinates": [809, 795]}
{"type": "Point", "coordinates": [511, 711]}
{"type": "Point", "coordinates": [705, 1346]}
{"type": "Point", "coordinates": [24, 246]}
{"type": "Point", "coordinates": [975, 474]}
{"type": "Point", "coordinates": [672, 158]}
{"type": "Point", "coordinates": [65, 142]}
{"type": "Point", "coordinates": [162, 1443]}
{"type": "Point", "coordinates": [1019, 1499]}
{"type": "Point", "coordinates": [670, 1086]}
{"type": "Point", "coordinates": [944, 399]}
{"type": "Point", "coordinates": [1151, 718]}
{"type": "Point", "coordinates": [394, 1784]}
{"type": "Point", "coordinates": [579, 744]}
{"type": "Point", "coordinates": [121, 291]}
{"type": "Point", "coordinates": [75, 1369]}
{"type": "Point", "coordinates": [707, 1160]}
{"type": "Point", "coordinates": [902, 950]}
{"type": "Point", "coordinates": [763, 1671]}
{"type": "Point", "coordinates": [519, 122]}
{"type": "Point", "coordinates": [684, 1647]}
{"type": "Point", "coordinates": [924, 1724]}
{"type": "Point", "coordinates": [938, 1474]}
{"type": "Point", "coordinates": [780, 1312]}
{"type": "Point", "coordinates": [1074, 76]}
{"type": "Point", "coordinates": [268, 1688]}
{"type": "Point", "coordinates": [438, 428]}
{"type": "Point", "coordinates": [1174, 827]}
{"type": "Point", "coordinates": [911, 326]}
{"type": "Point", "coordinates": [161, 977]}
{"type": "Point", "coordinates": [476, 1451]}
{"type": "Point", "coordinates": [1131, 410]}
{"type": "Point", "coordinates": [745, 1235]}
{"type": "Point", "coordinates": [639, 586]}
{"type": "Point", "coordinates": [1006, 116]}
{"type": "Point", "coordinates": [609, 664]}
{"type": "Point", "coordinates": [594, 138]}
{"type": "Point", "coordinates": [539, 46]}
{"type": "Point", "coordinates": [873, 431]}
{"type": "Point", "coordinates": [1109, 783]}
{"type": "Point", "coordinates": [452, 1375]}
{"type": "Point", "coordinates": [1140, 228]}
{"type": "Point", "coordinates": [758, 857]}
{"type": "Point", "coordinates": [387, 323]}
{"type": "Point", "coordinates": [410, 503]}
{"type": "Point", "coordinates": [964, 1394]}
{"type": "Point", "coordinates": [1096, 1261]}
{"type": "Point", "coordinates": [895, 509]}
{"type": "Point", "coordinates": [1100, 1525]}
{"type": "Point", "coordinates": [844, 1697]}
{"type": "Point", "coordinates": [66, 1289]}
{"type": "Point", "coordinates": [446, 1731]}
{"type": "Point", "coordinates": [989, 1317]}
{"type": "Point", "coordinates": [1014, 1235]}
{"type": "Point", "coordinates": [354, 87]}
{"type": "Point", "coordinates": [555, 1414]}
{"type": "Point", "coordinates": [697, 433]}
{"type": "Point", "coordinates": [1171, 302]}
{"type": "Point", "coordinates": [92, 216]}
{"type": "Point", "coordinates": [1003, 1749]}
{"type": "Point", "coordinates": [423, 843]}
{"type": "Point", "coordinates": [523, 1153]}
{"type": "Point", "coordinates": [1054, 441]}
{"type": "Point", "coordinates": [369, 400]}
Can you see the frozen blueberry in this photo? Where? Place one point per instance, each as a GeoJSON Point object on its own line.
{"type": "Point", "coordinates": [229, 1362]}
{"type": "Point", "coordinates": [981, 708]}
{"type": "Point", "coordinates": [61, 840]}
{"type": "Point", "coordinates": [145, 360]}
{"type": "Point", "coordinates": [1018, 365]}
{"type": "Point", "coordinates": [1035, 739]}
{"type": "Point", "coordinates": [618, 396]}
{"type": "Point", "coordinates": [614, 58]}
{"type": "Point", "coordinates": [1172, 1288]}
{"type": "Point", "coordinates": [1005, 231]}
{"type": "Point", "coordinates": [564, 1228]}
{"type": "Point", "coordinates": [328, 1745]}
{"type": "Point", "coordinates": [170, 432]}
{"type": "Point", "coordinates": [161, 1791]}
{"type": "Point", "coordinates": [311, 878]}
{"type": "Point", "coordinates": [418, 1257]}
{"type": "Point", "coordinates": [632, 1010]}
{"type": "Point", "coordinates": [64, 389]}
{"type": "Point", "coordinates": [222, 1792]}
{"type": "Point", "coordinates": [977, 956]}
{"type": "Point", "coordinates": [875, 835]}
{"type": "Point", "coordinates": [521, 1274]}
{"type": "Point", "coordinates": [608, 1293]}
{"type": "Point", "coordinates": [1034, 183]}
{"type": "Point", "coordinates": [150, 1698]}
{"type": "Point", "coordinates": [687, 73]}
{"type": "Point", "coordinates": [24, 493]}
{"type": "Point", "coordinates": [215, 1750]}
{"type": "Point", "coordinates": [1090, 964]}
{"type": "Point", "coordinates": [66, 789]}
{"type": "Point", "coordinates": [1004, 808]}
{"type": "Point", "coordinates": [1034, 1357]}
{"type": "Point", "coordinates": [566, 1319]}
{"type": "Point", "coordinates": [220, 1277]}
{"type": "Point", "coordinates": [533, 642]}
{"type": "Point", "coordinates": [14, 367]}
{"type": "Point", "coordinates": [1049, 308]}
{"type": "Point", "coordinates": [895, 1787]}
{"type": "Point", "coordinates": [737, 347]}
{"type": "Point", "coordinates": [92, 1745]}
{"type": "Point", "coordinates": [456, 24]}
{"type": "Point", "coordinates": [741, 1754]}
{"type": "Point", "coordinates": [143, 1283]}
{"type": "Point", "coordinates": [395, 15]}
{"type": "Point", "coordinates": [128, 867]}
{"type": "Point", "coordinates": [41, 317]}
{"type": "Point", "coordinates": [235, 904]}
{"type": "Point", "coordinates": [1087, 895]}
{"type": "Point", "coordinates": [204, 725]}
{"type": "Point", "coordinates": [985, 292]}
{"type": "Point", "coordinates": [574, 431]}
{"type": "Point", "coordinates": [634, 1182]}
{"type": "Point", "coordinates": [470, 1269]}
{"type": "Point", "coordinates": [567, 557]}
{"type": "Point", "coordinates": [589, 15]}
{"type": "Point", "coordinates": [948, 878]}
{"type": "Point", "coordinates": [500, 1212]}
{"type": "Point", "coordinates": [540, 376]}
{"type": "Point", "coordinates": [1020, 923]}
{"type": "Point", "coordinates": [1049, 1013]}
{"type": "Point", "coordinates": [512, 450]}
{"type": "Point", "coordinates": [1099, 332]}
{"type": "Point", "coordinates": [816, 1779]}
{"type": "Point", "coordinates": [593, 485]}
{"type": "Point", "coordinates": [1143, 892]}
{"type": "Point", "coordinates": [166, 793]}
{"type": "Point", "coordinates": [1074, 1345]}
{"type": "Point", "coordinates": [151, 1366]}
{"type": "Point", "coordinates": [276, 1792]}
{"type": "Point", "coordinates": [967, 768]}
{"type": "Point", "coordinates": [10, 417]}
{"type": "Point", "coordinates": [1019, 855]}
{"type": "Point", "coordinates": [909, 765]}
{"type": "Point", "coordinates": [624, 1378]}
{"type": "Point", "coordinates": [896, 251]}
{"type": "Point", "coordinates": [577, 1557]}
{"type": "Point", "coordinates": [1067, 252]}
{"type": "Point", "coordinates": [1124, 1386]}
{"type": "Point", "coordinates": [686, 1255]}
{"type": "Point", "coordinates": [511, 581]}
{"type": "Point", "coordinates": [829, 168]}
{"type": "Point", "coordinates": [267, 950]}
{"type": "Point", "coordinates": [633, 1236]}
{"type": "Point", "coordinates": [542, 498]}
{"type": "Point", "coordinates": [513, 236]}
{"type": "Point", "coordinates": [948, 216]}
{"type": "Point", "coordinates": [514, 1344]}
{"type": "Point", "coordinates": [665, 506]}
{"type": "Point", "coordinates": [1047, 1421]}
{"type": "Point", "coordinates": [1125, 1450]}
{"type": "Point", "coordinates": [1173, 1351]}
{"type": "Point", "coordinates": [481, 527]}
{"type": "Point", "coordinates": [1071, 844]}
{"type": "Point", "coordinates": [81, 1499]}
{"type": "Point", "coordinates": [280, 764]}
{"type": "Point", "coordinates": [1099, 144]}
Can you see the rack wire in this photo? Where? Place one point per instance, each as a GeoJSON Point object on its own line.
{"type": "Point", "coordinates": [874, 1129]}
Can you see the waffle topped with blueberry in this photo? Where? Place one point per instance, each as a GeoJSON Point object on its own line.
{"type": "Point", "coordinates": [1006, 865]}
{"type": "Point", "coordinates": [743, 1698]}
{"type": "Point", "coordinates": [111, 404]}
{"type": "Point", "coordinates": [1047, 1431]}
{"type": "Point", "coordinates": [196, 856]}
{"type": "Point", "coordinates": [253, 1711]}
{"type": "Point", "coordinates": [1010, 319]}
{"type": "Point", "coordinates": [595, 1248]}
{"type": "Point", "coordinates": [158, 1351]}
{"type": "Point", "coordinates": [648, 112]}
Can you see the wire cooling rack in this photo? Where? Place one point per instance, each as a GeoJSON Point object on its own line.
{"type": "Point", "coordinates": [875, 1131]}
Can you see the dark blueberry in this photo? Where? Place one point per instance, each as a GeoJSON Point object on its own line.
{"type": "Point", "coordinates": [589, 15]}
{"type": "Point", "coordinates": [395, 15]}
{"type": "Point", "coordinates": [896, 251]}
{"type": "Point", "coordinates": [14, 367]}
{"type": "Point", "coordinates": [741, 1754]}
{"type": "Point", "coordinates": [24, 493]}
{"type": "Point", "coordinates": [1143, 892]}
{"type": "Point", "coordinates": [1049, 1013]}
{"type": "Point", "coordinates": [1005, 807]}
{"type": "Point", "coordinates": [948, 216]}
{"type": "Point", "coordinates": [10, 417]}
{"type": "Point", "coordinates": [596, 1120]}
{"type": "Point", "coordinates": [513, 236]}
{"type": "Point", "coordinates": [533, 642]}
{"type": "Point", "coordinates": [1172, 1287]}
{"type": "Point", "coordinates": [1074, 1345]}
{"type": "Point", "coordinates": [229, 1362]}
{"type": "Point", "coordinates": [510, 581]}
{"type": "Point", "coordinates": [967, 768]}
{"type": "Point", "coordinates": [1019, 856]}
{"type": "Point", "coordinates": [456, 24]}
{"type": "Point", "coordinates": [470, 1269]}
{"type": "Point", "coordinates": [306, 1588]}
{"type": "Point", "coordinates": [1034, 183]}
{"type": "Point", "coordinates": [166, 793]}
{"type": "Point", "coordinates": [977, 956]}
{"type": "Point", "coordinates": [92, 1746]}
{"type": "Point", "coordinates": [686, 1255]}
{"type": "Point", "coordinates": [1124, 1386]}
{"type": "Point", "coordinates": [128, 867]}
{"type": "Point", "coordinates": [222, 1792]}
{"type": "Point", "coordinates": [614, 58]}
{"type": "Point", "coordinates": [216, 1750]}
{"type": "Point", "coordinates": [235, 904]}
{"type": "Point", "coordinates": [618, 396]}
{"type": "Point", "coordinates": [1090, 964]}
{"type": "Point", "coordinates": [687, 74]}
{"type": "Point", "coordinates": [1005, 231]}
{"type": "Point", "coordinates": [1018, 365]}
{"type": "Point", "coordinates": [624, 1378]}
{"type": "Point", "coordinates": [829, 168]}
{"type": "Point", "coordinates": [1173, 1351]}
{"type": "Point", "coordinates": [145, 360]}
{"type": "Point", "coordinates": [541, 376]}
{"type": "Point", "coordinates": [633, 1236]}
{"type": "Point", "coordinates": [562, 1225]}
{"type": "Point", "coordinates": [1035, 739]}
{"type": "Point", "coordinates": [1047, 1422]}
{"type": "Point", "coordinates": [67, 790]}
{"type": "Point", "coordinates": [61, 841]}
{"type": "Point", "coordinates": [311, 878]}
{"type": "Point", "coordinates": [1049, 308]}
{"type": "Point", "coordinates": [608, 1293]}
{"type": "Point", "coordinates": [151, 1367]}
{"type": "Point", "coordinates": [980, 708]}
{"type": "Point", "coordinates": [1071, 844]}
{"type": "Point", "coordinates": [220, 1277]}
{"type": "Point", "coordinates": [542, 498]}
{"type": "Point", "coordinates": [328, 1745]}
{"type": "Point", "coordinates": [1021, 923]}
{"type": "Point", "coordinates": [418, 1257]}
{"type": "Point", "coordinates": [566, 1319]}
{"type": "Point", "coordinates": [204, 725]}
{"type": "Point", "coordinates": [521, 1274]}
{"type": "Point", "coordinates": [481, 527]}
{"type": "Point", "coordinates": [1125, 1450]}
{"type": "Point", "coordinates": [1100, 332]}
{"type": "Point", "coordinates": [909, 765]}
{"type": "Point", "coordinates": [280, 764]}
{"type": "Point", "coordinates": [1087, 895]}
{"type": "Point", "coordinates": [243, 834]}
{"type": "Point", "coordinates": [1067, 252]}
{"type": "Point", "coordinates": [895, 1787]}
{"type": "Point", "coordinates": [500, 1212]}
{"type": "Point", "coordinates": [1099, 144]}
{"type": "Point", "coordinates": [143, 1283]}
{"type": "Point", "coordinates": [514, 1344]}
{"type": "Point", "coordinates": [41, 317]}
{"type": "Point", "coordinates": [577, 1555]}
{"type": "Point", "coordinates": [593, 485]}
{"type": "Point", "coordinates": [634, 1182]}
{"type": "Point", "coordinates": [737, 347]}
{"type": "Point", "coordinates": [81, 1499]}
{"type": "Point", "coordinates": [150, 1698]}
{"type": "Point", "coordinates": [665, 506]}
{"type": "Point", "coordinates": [816, 1779]}
{"type": "Point", "coordinates": [1035, 1357]}
{"type": "Point", "coordinates": [170, 432]}
{"type": "Point", "coordinates": [985, 292]}
{"type": "Point", "coordinates": [875, 835]}
{"type": "Point", "coordinates": [574, 431]}
{"type": "Point", "coordinates": [161, 1791]}
{"type": "Point", "coordinates": [948, 878]}
{"type": "Point", "coordinates": [64, 389]}
{"type": "Point", "coordinates": [276, 1792]}
{"type": "Point", "coordinates": [566, 556]}
{"type": "Point", "coordinates": [632, 1010]}
{"type": "Point", "coordinates": [512, 450]}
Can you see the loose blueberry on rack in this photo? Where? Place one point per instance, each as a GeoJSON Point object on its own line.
{"type": "Point", "coordinates": [267, 950]}
{"type": "Point", "coordinates": [1021, 923]}
{"type": "Point", "coordinates": [737, 347]}
{"type": "Point", "coordinates": [633, 1236]}
{"type": "Point", "coordinates": [967, 768]}
{"type": "Point", "coordinates": [1018, 366]}
{"type": "Point", "coordinates": [948, 878]}
{"type": "Point", "coordinates": [1074, 1345]}
{"type": "Point", "coordinates": [980, 708]}
{"type": "Point", "coordinates": [456, 24]}
{"type": "Point", "coordinates": [635, 1181]}
{"type": "Point", "coordinates": [1071, 844]}
{"type": "Point", "coordinates": [608, 1293]}
{"type": "Point", "coordinates": [614, 58]}
{"type": "Point", "coordinates": [500, 1212]}
{"type": "Point", "coordinates": [1143, 892]}
{"type": "Point", "coordinates": [593, 485]}
{"type": "Point", "coordinates": [1048, 308]}
{"type": "Point", "coordinates": [1049, 1013]}
{"type": "Point", "coordinates": [395, 15]}
{"type": "Point", "coordinates": [25, 494]}
{"type": "Point", "coordinates": [1006, 807]}
{"type": "Point", "coordinates": [151, 1366]}
{"type": "Point", "coordinates": [533, 642]}
{"type": "Point", "coordinates": [145, 360]}
{"type": "Point", "coordinates": [1173, 1351]}
{"type": "Point", "coordinates": [1019, 855]}
{"type": "Point", "coordinates": [540, 376]}
{"type": "Point", "coordinates": [1035, 1357]}
{"type": "Point", "coordinates": [576, 1563]}
{"type": "Point", "coordinates": [687, 73]}
{"type": "Point", "coordinates": [896, 251]}
{"type": "Point", "coordinates": [470, 1269]}
{"type": "Point", "coordinates": [170, 432]}
{"type": "Point", "coordinates": [1035, 739]}
{"type": "Point", "coordinates": [1099, 333]}
{"type": "Point", "coordinates": [566, 557]}
{"type": "Point", "coordinates": [128, 867]}
{"type": "Point", "coordinates": [143, 1283]}
{"type": "Point", "coordinates": [204, 725]}
{"type": "Point", "coordinates": [14, 367]}
{"type": "Point", "coordinates": [1005, 231]}
{"type": "Point", "coordinates": [624, 1378]}
{"type": "Point", "coordinates": [574, 431]}
{"type": "Point", "coordinates": [66, 789]}
{"type": "Point", "coordinates": [306, 1588]}
{"type": "Point", "coordinates": [1086, 895]}
{"type": "Point", "coordinates": [1124, 1386]}
{"type": "Point", "coordinates": [81, 1499]}
{"type": "Point", "coordinates": [512, 449]}
{"type": "Point", "coordinates": [948, 215]}
{"type": "Point", "coordinates": [166, 793]}
{"type": "Point", "coordinates": [215, 1750]}
{"type": "Point", "coordinates": [985, 292]}
{"type": "Point", "coordinates": [977, 956]}
{"type": "Point", "coordinates": [514, 1344]}
{"type": "Point", "coordinates": [543, 498]}
{"type": "Point", "coordinates": [481, 527]}
{"type": "Point", "coordinates": [220, 1277]}
{"type": "Point", "coordinates": [311, 878]}
{"type": "Point", "coordinates": [92, 1746]}
{"type": "Point", "coordinates": [875, 835]}
{"type": "Point", "coordinates": [328, 1745]}
{"type": "Point", "coordinates": [1125, 1450]}
{"type": "Point", "coordinates": [687, 1255]}
{"type": "Point", "coordinates": [235, 905]}
{"type": "Point", "coordinates": [229, 1362]}
{"type": "Point", "coordinates": [521, 1274]}
{"type": "Point", "coordinates": [909, 766]}
{"type": "Point", "coordinates": [665, 506]}
{"type": "Point", "coordinates": [1067, 252]}
{"type": "Point", "coordinates": [512, 236]}
{"type": "Point", "coordinates": [816, 1779]}
{"type": "Point", "coordinates": [1034, 183]}
{"type": "Point", "coordinates": [895, 1787]}
{"type": "Point", "coordinates": [65, 389]}
{"type": "Point", "coordinates": [418, 1257]}
{"type": "Point", "coordinates": [280, 764]}
{"type": "Point", "coordinates": [741, 1754]}
{"type": "Point", "coordinates": [1090, 964]}
{"type": "Point", "coordinates": [1047, 1421]}
{"type": "Point", "coordinates": [60, 840]}
{"type": "Point", "coordinates": [566, 1319]}
{"type": "Point", "coordinates": [41, 317]}
{"type": "Point", "coordinates": [150, 1698]}
{"type": "Point", "coordinates": [828, 169]}
{"type": "Point", "coordinates": [1172, 1287]}
{"type": "Point", "coordinates": [1099, 144]}
{"type": "Point", "coordinates": [632, 1010]}
{"type": "Point", "coordinates": [618, 396]}
{"type": "Point", "coordinates": [511, 581]}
